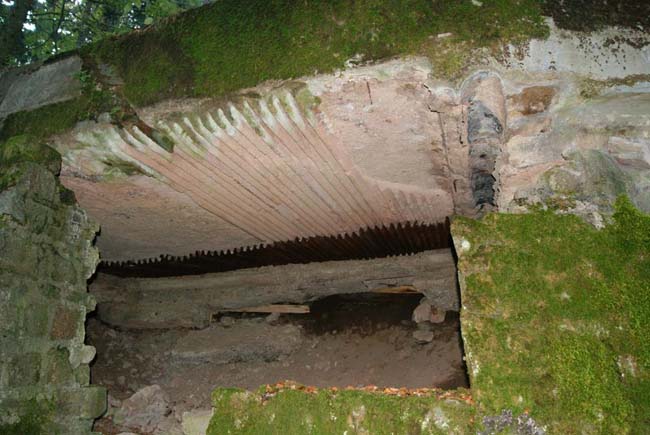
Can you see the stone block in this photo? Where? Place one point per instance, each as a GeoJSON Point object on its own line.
{"type": "Point", "coordinates": [145, 410]}
{"type": "Point", "coordinates": [57, 81]}
{"type": "Point", "coordinates": [58, 370]}
{"type": "Point", "coordinates": [65, 323]}
{"type": "Point", "coordinates": [24, 370]}
{"type": "Point", "coordinates": [196, 422]}
{"type": "Point", "coordinates": [35, 320]}
{"type": "Point", "coordinates": [81, 355]}
{"type": "Point", "coordinates": [82, 375]}
{"type": "Point", "coordinates": [86, 403]}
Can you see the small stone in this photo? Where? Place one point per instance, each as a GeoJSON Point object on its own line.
{"type": "Point", "coordinates": [273, 318]}
{"type": "Point", "coordinates": [422, 312]}
{"type": "Point", "coordinates": [82, 355]}
{"type": "Point", "coordinates": [422, 336]}
{"type": "Point", "coordinates": [144, 410]}
{"type": "Point", "coordinates": [427, 313]}
{"type": "Point", "coordinates": [227, 321]}
{"type": "Point", "coordinates": [104, 118]}
{"type": "Point", "coordinates": [196, 422]}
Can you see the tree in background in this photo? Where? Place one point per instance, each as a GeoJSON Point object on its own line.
{"type": "Point", "coordinates": [32, 30]}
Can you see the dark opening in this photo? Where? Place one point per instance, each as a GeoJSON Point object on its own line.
{"type": "Point", "coordinates": [356, 340]}
{"type": "Point", "coordinates": [347, 340]}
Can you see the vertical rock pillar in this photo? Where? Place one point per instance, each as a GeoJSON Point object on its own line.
{"type": "Point", "coordinates": [46, 256]}
{"type": "Point", "coordinates": [483, 96]}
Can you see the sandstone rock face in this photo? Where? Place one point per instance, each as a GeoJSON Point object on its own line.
{"type": "Point", "coordinates": [581, 152]}
{"type": "Point", "coordinates": [46, 256]}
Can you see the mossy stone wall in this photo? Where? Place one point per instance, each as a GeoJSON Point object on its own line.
{"type": "Point", "coordinates": [46, 256]}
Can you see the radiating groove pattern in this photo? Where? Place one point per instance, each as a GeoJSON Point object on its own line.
{"type": "Point", "coordinates": [276, 173]}
{"type": "Point", "coordinates": [375, 242]}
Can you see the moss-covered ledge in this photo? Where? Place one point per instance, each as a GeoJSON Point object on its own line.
{"type": "Point", "coordinates": [229, 45]}
{"type": "Point", "coordinates": [556, 320]}
{"type": "Point", "coordinates": [295, 409]}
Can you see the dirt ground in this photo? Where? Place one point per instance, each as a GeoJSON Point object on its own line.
{"type": "Point", "coordinates": [356, 340]}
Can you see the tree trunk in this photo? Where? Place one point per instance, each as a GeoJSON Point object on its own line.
{"type": "Point", "coordinates": [12, 43]}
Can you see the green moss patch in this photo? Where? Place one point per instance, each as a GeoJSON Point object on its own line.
{"type": "Point", "coordinates": [230, 45]}
{"type": "Point", "coordinates": [590, 88]}
{"type": "Point", "coordinates": [25, 149]}
{"type": "Point", "coordinates": [556, 319]}
{"type": "Point", "coordinates": [303, 410]}
{"type": "Point", "coordinates": [35, 419]}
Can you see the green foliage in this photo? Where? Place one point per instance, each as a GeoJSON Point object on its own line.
{"type": "Point", "coordinates": [556, 318]}
{"type": "Point", "coordinates": [230, 45]}
{"type": "Point", "coordinates": [326, 412]}
{"type": "Point", "coordinates": [57, 26]}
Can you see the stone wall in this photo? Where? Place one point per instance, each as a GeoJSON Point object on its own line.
{"type": "Point", "coordinates": [46, 256]}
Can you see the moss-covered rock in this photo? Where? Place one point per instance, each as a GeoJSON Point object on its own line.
{"type": "Point", "coordinates": [24, 148]}
{"type": "Point", "coordinates": [230, 45]}
{"type": "Point", "coordinates": [555, 319]}
{"type": "Point", "coordinates": [298, 410]}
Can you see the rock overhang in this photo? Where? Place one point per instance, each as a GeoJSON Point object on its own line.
{"type": "Point", "coordinates": [399, 137]}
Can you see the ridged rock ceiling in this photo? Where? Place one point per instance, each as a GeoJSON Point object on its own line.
{"type": "Point", "coordinates": [276, 173]}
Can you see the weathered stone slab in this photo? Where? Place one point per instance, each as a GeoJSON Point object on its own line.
{"type": "Point", "coordinates": [52, 83]}
{"type": "Point", "coordinates": [244, 341]}
{"type": "Point", "coordinates": [610, 53]}
{"type": "Point", "coordinates": [190, 301]}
